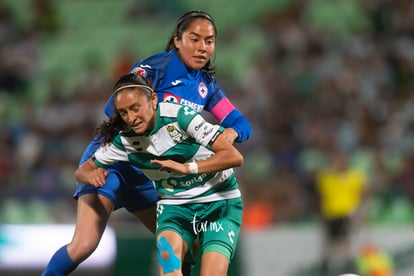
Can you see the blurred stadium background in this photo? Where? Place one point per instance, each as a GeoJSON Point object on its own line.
{"type": "Point", "coordinates": [309, 75]}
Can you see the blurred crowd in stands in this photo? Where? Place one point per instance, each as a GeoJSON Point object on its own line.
{"type": "Point", "coordinates": [330, 78]}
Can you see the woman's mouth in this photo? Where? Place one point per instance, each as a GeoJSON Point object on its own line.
{"type": "Point", "coordinates": [136, 126]}
{"type": "Point", "coordinates": [200, 58]}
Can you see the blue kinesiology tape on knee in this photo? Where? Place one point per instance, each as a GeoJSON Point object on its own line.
{"type": "Point", "coordinates": [172, 262]}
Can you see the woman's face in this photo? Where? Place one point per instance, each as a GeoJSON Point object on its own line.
{"type": "Point", "coordinates": [197, 43]}
{"type": "Point", "coordinates": [136, 109]}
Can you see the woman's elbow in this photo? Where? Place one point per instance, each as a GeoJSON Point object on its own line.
{"type": "Point", "coordinates": [239, 160]}
{"type": "Point", "coordinates": [80, 175]}
{"type": "Point", "coordinates": [77, 175]}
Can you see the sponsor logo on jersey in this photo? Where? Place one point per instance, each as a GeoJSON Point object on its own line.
{"type": "Point", "coordinates": [196, 107]}
{"type": "Point", "coordinates": [171, 98]}
{"type": "Point", "coordinates": [139, 71]}
{"type": "Point", "coordinates": [176, 82]}
{"type": "Point", "coordinates": [175, 134]}
{"type": "Point", "coordinates": [200, 226]}
{"type": "Point", "coordinates": [202, 90]}
{"type": "Point", "coordinates": [197, 127]}
{"type": "Point", "coordinates": [188, 111]}
{"type": "Point", "coordinates": [168, 97]}
{"type": "Point", "coordinates": [207, 131]}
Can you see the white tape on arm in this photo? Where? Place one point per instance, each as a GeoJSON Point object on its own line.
{"type": "Point", "coordinates": [193, 168]}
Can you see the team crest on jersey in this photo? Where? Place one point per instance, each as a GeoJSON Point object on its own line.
{"type": "Point", "coordinates": [139, 71]}
{"type": "Point", "coordinates": [202, 90]}
{"type": "Point", "coordinates": [175, 134]}
{"type": "Point", "coordinates": [171, 98]}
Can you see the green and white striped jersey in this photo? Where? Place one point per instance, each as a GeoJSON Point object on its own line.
{"type": "Point", "coordinates": [180, 134]}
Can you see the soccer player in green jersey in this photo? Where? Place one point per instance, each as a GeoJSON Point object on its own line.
{"type": "Point", "coordinates": [191, 165]}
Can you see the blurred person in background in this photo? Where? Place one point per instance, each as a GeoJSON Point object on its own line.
{"type": "Point", "coordinates": [184, 74]}
{"type": "Point", "coordinates": [45, 18]}
{"type": "Point", "coordinates": [342, 190]}
{"type": "Point", "coordinates": [374, 261]}
{"type": "Point", "coordinates": [190, 162]}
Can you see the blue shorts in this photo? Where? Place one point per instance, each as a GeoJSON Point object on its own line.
{"type": "Point", "coordinates": [126, 186]}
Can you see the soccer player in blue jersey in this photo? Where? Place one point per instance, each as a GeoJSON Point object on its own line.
{"type": "Point", "coordinates": [190, 162]}
{"type": "Point", "coordinates": [184, 74]}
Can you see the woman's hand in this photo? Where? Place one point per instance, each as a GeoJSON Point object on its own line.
{"type": "Point", "coordinates": [230, 135]}
{"type": "Point", "coordinates": [97, 177]}
{"type": "Point", "coordinates": [171, 166]}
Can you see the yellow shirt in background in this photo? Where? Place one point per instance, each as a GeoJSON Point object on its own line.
{"type": "Point", "coordinates": [340, 192]}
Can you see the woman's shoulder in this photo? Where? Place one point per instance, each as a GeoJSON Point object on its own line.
{"type": "Point", "coordinates": [155, 61]}
{"type": "Point", "coordinates": [159, 55]}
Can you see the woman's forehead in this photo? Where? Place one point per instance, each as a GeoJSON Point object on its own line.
{"type": "Point", "coordinates": [130, 95]}
{"type": "Point", "coordinates": [201, 26]}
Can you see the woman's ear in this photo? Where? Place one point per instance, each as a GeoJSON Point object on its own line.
{"type": "Point", "coordinates": [154, 101]}
{"type": "Point", "coordinates": [176, 41]}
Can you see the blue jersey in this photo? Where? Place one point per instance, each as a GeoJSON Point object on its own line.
{"type": "Point", "coordinates": [174, 82]}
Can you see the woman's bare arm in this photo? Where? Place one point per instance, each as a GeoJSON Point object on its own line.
{"type": "Point", "coordinates": [90, 173]}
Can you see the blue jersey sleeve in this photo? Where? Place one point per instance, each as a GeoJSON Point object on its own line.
{"type": "Point", "coordinates": [109, 107]}
{"type": "Point", "coordinates": [240, 124]}
{"type": "Point", "coordinates": [90, 149]}
{"type": "Point", "coordinates": [227, 114]}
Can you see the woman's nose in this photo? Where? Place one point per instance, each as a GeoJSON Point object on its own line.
{"type": "Point", "coordinates": [131, 118]}
{"type": "Point", "coordinates": [202, 46]}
